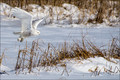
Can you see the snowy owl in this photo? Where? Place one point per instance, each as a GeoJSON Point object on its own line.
{"type": "Point", "coordinates": [28, 25]}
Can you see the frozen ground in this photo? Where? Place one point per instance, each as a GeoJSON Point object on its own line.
{"type": "Point", "coordinates": [56, 35]}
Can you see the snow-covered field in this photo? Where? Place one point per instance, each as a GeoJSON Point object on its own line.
{"type": "Point", "coordinates": [56, 34]}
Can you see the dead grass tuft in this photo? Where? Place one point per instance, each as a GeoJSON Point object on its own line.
{"type": "Point", "coordinates": [36, 56]}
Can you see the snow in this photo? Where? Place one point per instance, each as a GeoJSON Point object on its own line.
{"type": "Point", "coordinates": [56, 33]}
{"type": "Point", "coordinates": [4, 68]}
{"type": "Point", "coordinates": [66, 14]}
{"type": "Point", "coordinates": [76, 70]}
{"type": "Point", "coordinates": [99, 62]}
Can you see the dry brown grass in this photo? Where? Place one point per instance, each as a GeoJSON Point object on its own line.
{"type": "Point", "coordinates": [103, 9]}
{"type": "Point", "coordinates": [110, 70]}
{"type": "Point", "coordinates": [1, 58]}
{"type": "Point", "coordinates": [28, 58]}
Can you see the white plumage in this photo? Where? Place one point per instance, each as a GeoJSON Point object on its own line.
{"type": "Point", "coordinates": [28, 25]}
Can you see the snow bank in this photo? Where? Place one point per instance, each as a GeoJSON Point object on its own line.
{"type": "Point", "coordinates": [4, 9]}
{"type": "Point", "coordinates": [92, 63]}
{"type": "Point", "coordinates": [68, 14]}
{"type": "Point", "coordinates": [75, 69]}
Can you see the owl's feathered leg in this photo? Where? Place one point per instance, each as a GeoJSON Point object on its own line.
{"type": "Point", "coordinates": [20, 39]}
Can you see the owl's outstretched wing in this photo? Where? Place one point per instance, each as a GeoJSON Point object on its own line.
{"type": "Point", "coordinates": [37, 21]}
{"type": "Point", "coordinates": [24, 16]}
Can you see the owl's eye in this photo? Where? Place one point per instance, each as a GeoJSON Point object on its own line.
{"type": "Point", "coordinates": [13, 16]}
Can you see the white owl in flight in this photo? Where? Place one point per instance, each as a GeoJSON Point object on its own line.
{"type": "Point", "coordinates": [28, 25]}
